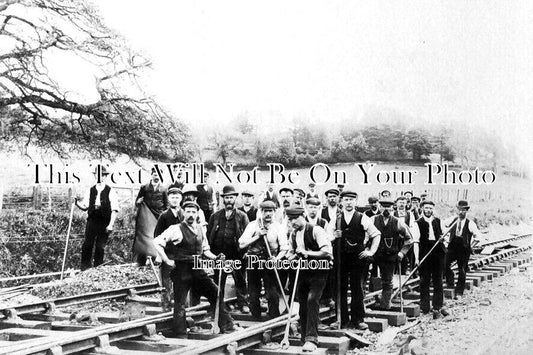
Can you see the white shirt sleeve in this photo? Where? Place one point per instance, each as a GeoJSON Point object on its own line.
{"type": "Point", "coordinates": [113, 200]}
{"type": "Point", "coordinates": [472, 227]}
{"type": "Point", "coordinates": [369, 227]}
{"type": "Point", "coordinates": [170, 235]}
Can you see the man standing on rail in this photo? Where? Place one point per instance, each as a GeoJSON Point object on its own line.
{"type": "Point", "coordinates": [224, 230]}
{"type": "Point", "coordinates": [352, 228]}
{"type": "Point", "coordinates": [427, 232]}
{"type": "Point", "coordinates": [101, 204]}
{"type": "Point", "coordinates": [396, 240]}
{"type": "Point", "coordinates": [173, 215]}
{"type": "Point", "coordinates": [309, 242]}
{"type": "Point", "coordinates": [462, 238]}
{"type": "Point", "coordinates": [253, 241]}
{"type": "Point", "coordinates": [184, 241]}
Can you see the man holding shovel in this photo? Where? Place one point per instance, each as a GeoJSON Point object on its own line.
{"type": "Point", "coordinates": [184, 241]}
{"type": "Point", "coordinates": [308, 242]}
{"type": "Point", "coordinates": [254, 239]}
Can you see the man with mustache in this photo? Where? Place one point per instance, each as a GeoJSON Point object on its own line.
{"type": "Point", "coordinates": [299, 195]}
{"type": "Point", "coordinates": [224, 230]}
{"type": "Point", "coordinates": [374, 207]}
{"type": "Point", "coordinates": [253, 241]}
{"type": "Point", "coordinates": [184, 241]}
{"type": "Point", "coordinates": [427, 231]}
{"type": "Point", "coordinates": [396, 240]}
{"type": "Point", "coordinates": [330, 211]}
{"type": "Point", "coordinates": [462, 239]}
{"type": "Point", "coordinates": [352, 227]}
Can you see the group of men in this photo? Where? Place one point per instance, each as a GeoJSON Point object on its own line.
{"type": "Point", "coordinates": [290, 224]}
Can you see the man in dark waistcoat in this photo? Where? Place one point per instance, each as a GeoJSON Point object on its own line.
{"type": "Point", "coordinates": [330, 211]}
{"type": "Point", "coordinates": [396, 240]}
{"type": "Point", "coordinates": [173, 215]}
{"type": "Point", "coordinates": [312, 192]}
{"type": "Point", "coordinates": [154, 195]}
{"type": "Point", "coordinates": [309, 242]}
{"type": "Point", "coordinates": [101, 204]}
{"type": "Point", "coordinates": [253, 241]}
{"type": "Point", "coordinates": [427, 231]}
{"type": "Point", "coordinates": [374, 207]}
{"type": "Point", "coordinates": [247, 205]}
{"type": "Point", "coordinates": [351, 227]}
{"type": "Point", "coordinates": [462, 238]}
{"type": "Point", "coordinates": [224, 230]}
{"type": "Point", "coordinates": [206, 197]}
{"type": "Point", "coordinates": [185, 241]}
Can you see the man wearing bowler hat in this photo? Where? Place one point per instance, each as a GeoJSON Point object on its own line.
{"type": "Point", "coordinates": [247, 206]}
{"type": "Point", "coordinates": [224, 230]}
{"type": "Point", "coordinates": [101, 204]}
{"type": "Point", "coordinates": [352, 227]}
{"type": "Point", "coordinates": [395, 241]}
{"type": "Point", "coordinates": [426, 232]}
{"type": "Point", "coordinates": [462, 238]}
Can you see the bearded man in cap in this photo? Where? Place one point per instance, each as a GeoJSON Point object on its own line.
{"type": "Point", "coordinates": [308, 242]}
{"type": "Point", "coordinates": [427, 232]}
{"type": "Point", "coordinates": [173, 215]}
{"type": "Point", "coordinates": [247, 207]}
{"type": "Point", "coordinates": [224, 230]}
{"type": "Point", "coordinates": [462, 238]}
{"type": "Point", "coordinates": [396, 240]}
{"type": "Point", "coordinates": [184, 241]}
{"type": "Point", "coordinates": [253, 241]}
{"type": "Point", "coordinates": [101, 204]}
{"type": "Point", "coordinates": [330, 211]}
{"type": "Point", "coordinates": [352, 227]}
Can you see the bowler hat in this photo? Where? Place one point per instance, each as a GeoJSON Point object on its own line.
{"type": "Point", "coordinates": [349, 193]}
{"type": "Point", "coordinates": [294, 212]}
{"type": "Point", "coordinates": [462, 204]}
{"type": "Point", "coordinates": [229, 190]}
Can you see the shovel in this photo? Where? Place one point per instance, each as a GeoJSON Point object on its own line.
{"type": "Point", "coordinates": [285, 342]}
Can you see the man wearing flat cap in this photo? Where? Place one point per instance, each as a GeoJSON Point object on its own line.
{"type": "Point", "coordinates": [462, 238]}
{"type": "Point", "coordinates": [247, 205]}
{"type": "Point", "coordinates": [426, 233]}
{"type": "Point", "coordinates": [173, 215]}
{"type": "Point", "coordinates": [308, 242]}
{"type": "Point", "coordinates": [183, 242]}
{"type": "Point", "coordinates": [224, 230]}
{"type": "Point", "coordinates": [374, 206]}
{"type": "Point", "coordinates": [299, 196]}
{"type": "Point", "coordinates": [312, 192]}
{"type": "Point", "coordinates": [352, 227]}
{"type": "Point", "coordinates": [330, 211]}
{"type": "Point", "coordinates": [396, 240]}
{"type": "Point", "coordinates": [264, 230]}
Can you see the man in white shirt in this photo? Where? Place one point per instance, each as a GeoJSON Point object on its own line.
{"type": "Point", "coordinates": [462, 238]}
{"type": "Point", "coordinates": [253, 241]}
{"type": "Point", "coordinates": [426, 233]}
{"type": "Point", "coordinates": [101, 204]}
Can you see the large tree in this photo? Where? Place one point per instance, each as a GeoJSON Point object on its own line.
{"type": "Point", "coordinates": [113, 116]}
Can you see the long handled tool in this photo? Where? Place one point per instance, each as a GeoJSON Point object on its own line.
{"type": "Point", "coordinates": [399, 283]}
{"type": "Point", "coordinates": [285, 342]}
{"type": "Point", "coordinates": [338, 276]}
{"type": "Point", "coordinates": [156, 273]}
{"type": "Point", "coordinates": [423, 259]}
{"type": "Point", "coordinates": [275, 269]}
{"type": "Point", "coordinates": [66, 243]}
{"type": "Point", "coordinates": [216, 328]}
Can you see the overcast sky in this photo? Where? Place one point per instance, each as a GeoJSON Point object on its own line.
{"type": "Point", "coordinates": [438, 60]}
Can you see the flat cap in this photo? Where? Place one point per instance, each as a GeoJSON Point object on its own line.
{"type": "Point", "coordinates": [294, 212]}
{"type": "Point", "coordinates": [372, 199]}
{"type": "Point", "coordinates": [332, 191]}
{"type": "Point", "coordinates": [427, 202]}
{"type": "Point", "coordinates": [300, 191]}
{"type": "Point", "coordinates": [174, 190]}
{"type": "Point", "coordinates": [415, 198]}
{"type": "Point", "coordinates": [285, 188]}
{"type": "Point", "coordinates": [247, 193]}
{"type": "Point", "coordinates": [190, 204]}
{"type": "Point", "coordinates": [267, 205]}
{"type": "Point", "coordinates": [349, 193]}
{"type": "Point", "coordinates": [386, 202]}
{"type": "Point", "coordinates": [313, 201]}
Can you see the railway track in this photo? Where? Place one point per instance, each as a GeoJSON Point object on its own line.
{"type": "Point", "coordinates": [41, 329]}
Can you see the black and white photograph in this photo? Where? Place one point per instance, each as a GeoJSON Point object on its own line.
{"type": "Point", "coordinates": [266, 177]}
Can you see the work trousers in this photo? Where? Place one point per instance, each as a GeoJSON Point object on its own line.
{"type": "Point", "coordinates": [184, 277]}
{"type": "Point", "coordinates": [168, 293]}
{"type": "Point", "coordinates": [255, 275]}
{"type": "Point", "coordinates": [386, 266]}
{"type": "Point", "coordinates": [431, 271]}
{"type": "Point", "coordinates": [457, 252]}
{"type": "Point", "coordinates": [95, 237]}
{"type": "Point", "coordinates": [353, 272]}
{"type": "Point", "coordinates": [311, 283]}
{"type": "Point", "coordinates": [239, 276]}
